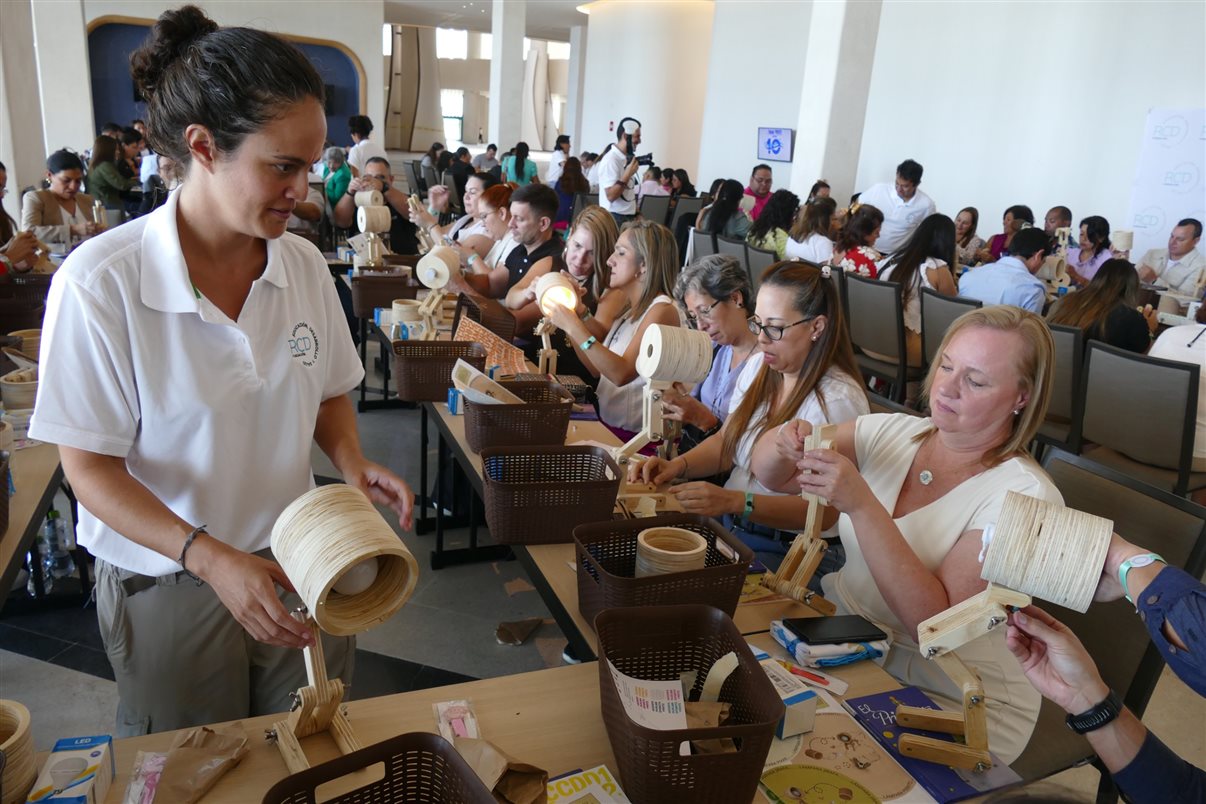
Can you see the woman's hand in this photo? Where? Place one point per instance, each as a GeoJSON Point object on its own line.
{"type": "Point", "coordinates": [830, 475]}
{"type": "Point", "coordinates": [680, 407]}
{"type": "Point", "coordinates": [708, 499]}
{"type": "Point", "coordinates": [246, 585]}
{"type": "Point", "coordinates": [1054, 661]}
{"type": "Point", "coordinates": [437, 198]}
{"type": "Point", "coordinates": [1150, 316]}
{"type": "Point", "coordinates": [563, 318]}
{"type": "Point", "coordinates": [383, 487]}
{"type": "Point", "coordinates": [657, 471]}
{"type": "Point", "coordinates": [22, 248]}
{"type": "Point", "coordinates": [789, 441]}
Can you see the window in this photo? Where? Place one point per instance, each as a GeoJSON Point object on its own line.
{"type": "Point", "coordinates": [559, 50]}
{"type": "Point", "coordinates": [387, 40]}
{"type": "Point", "coordinates": [452, 106]}
{"type": "Point", "coordinates": [451, 44]}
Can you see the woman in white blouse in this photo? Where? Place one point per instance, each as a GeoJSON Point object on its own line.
{"type": "Point", "coordinates": [644, 267]}
{"type": "Point", "coordinates": [810, 236]}
{"type": "Point", "coordinates": [915, 494]}
{"type": "Point", "coordinates": [924, 262]}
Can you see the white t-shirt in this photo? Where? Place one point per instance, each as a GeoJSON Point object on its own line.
{"type": "Point", "coordinates": [912, 309]}
{"type": "Point", "coordinates": [360, 153]}
{"type": "Point", "coordinates": [316, 197]}
{"type": "Point", "coordinates": [900, 217]}
{"type": "Point", "coordinates": [1173, 344]}
{"type": "Point", "coordinates": [611, 168]}
{"type": "Point", "coordinates": [556, 166]}
{"type": "Point", "coordinates": [620, 405]}
{"type": "Point", "coordinates": [215, 417]}
{"type": "Point", "coordinates": [1182, 276]}
{"type": "Point", "coordinates": [844, 399]}
{"type": "Point", "coordinates": [816, 248]}
{"type": "Point", "coordinates": [885, 448]}
{"type": "Point", "coordinates": [497, 255]}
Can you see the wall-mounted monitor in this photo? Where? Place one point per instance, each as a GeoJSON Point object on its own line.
{"type": "Point", "coordinates": [775, 144]}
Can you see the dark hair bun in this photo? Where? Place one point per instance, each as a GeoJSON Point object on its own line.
{"type": "Point", "coordinates": [171, 37]}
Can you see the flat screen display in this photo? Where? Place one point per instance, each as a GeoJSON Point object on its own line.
{"type": "Point", "coordinates": [774, 144]}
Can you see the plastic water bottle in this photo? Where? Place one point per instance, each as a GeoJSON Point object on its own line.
{"type": "Point", "coordinates": [58, 559]}
{"type": "Point", "coordinates": [40, 554]}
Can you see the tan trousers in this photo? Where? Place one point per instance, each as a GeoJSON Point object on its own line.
{"type": "Point", "coordinates": [182, 660]}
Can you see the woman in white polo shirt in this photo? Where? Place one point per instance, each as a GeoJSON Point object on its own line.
{"type": "Point", "coordinates": [190, 357]}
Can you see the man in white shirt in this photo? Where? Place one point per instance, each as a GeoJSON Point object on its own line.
{"type": "Point", "coordinates": [1011, 279]}
{"type": "Point", "coordinates": [363, 149]}
{"type": "Point", "coordinates": [903, 205]}
{"type": "Point", "coordinates": [617, 168]}
{"type": "Point", "coordinates": [1180, 266]}
{"type": "Point", "coordinates": [557, 160]}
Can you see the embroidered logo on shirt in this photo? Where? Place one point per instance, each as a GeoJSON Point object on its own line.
{"type": "Point", "coordinates": [303, 344]}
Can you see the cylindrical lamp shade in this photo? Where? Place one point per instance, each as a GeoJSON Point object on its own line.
{"type": "Point", "coordinates": [373, 219]}
{"type": "Point", "coordinates": [437, 266]}
{"type": "Point", "coordinates": [347, 564]}
{"type": "Point", "coordinates": [1122, 239]}
{"type": "Point", "coordinates": [369, 198]}
{"type": "Point", "coordinates": [555, 289]}
{"type": "Point", "coordinates": [674, 354]}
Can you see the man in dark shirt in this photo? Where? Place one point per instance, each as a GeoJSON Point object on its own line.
{"type": "Point", "coordinates": [461, 169]}
{"type": "Point", "coordinates": [533, 209]}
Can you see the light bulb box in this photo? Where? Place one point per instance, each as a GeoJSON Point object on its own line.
{"type": "Point", "coordinates": [79, 770]}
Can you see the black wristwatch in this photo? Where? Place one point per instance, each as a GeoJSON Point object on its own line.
{"type": "Point", "coordinates": [1096, 717]}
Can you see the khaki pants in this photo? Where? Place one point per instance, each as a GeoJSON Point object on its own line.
{"type": "Point", "coordinates": [182, 660]}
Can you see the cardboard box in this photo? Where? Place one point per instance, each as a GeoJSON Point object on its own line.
{"type": "Point", "coordinates": [799, 699]}
{"type": "Point", "coordinates": [78, 771]}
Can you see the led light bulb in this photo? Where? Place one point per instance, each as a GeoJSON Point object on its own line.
{"type": "Point", "coordinates": [554, 290]}
{"type": "Point", "coordinates": [358, 578]}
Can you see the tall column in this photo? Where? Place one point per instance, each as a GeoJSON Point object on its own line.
{"type": "Point", "coordinates": [575, 86]}
{"type": "Point", "coordinates": [833, 98]}
{"type": "Point", "coordinates": [22, 143]}
{"type": "Point", "coordinates": [65, 80]}
{"type": "Point", "coordinates": [506, 72]}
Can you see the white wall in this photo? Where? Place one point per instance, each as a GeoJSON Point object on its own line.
{"type": "Point", "coordinates": [356, 24]}
{"type": "Point", "coordinates": [22, 149]}
{"type": "Point", "coordinates": [754, 75]}
{"type": "Point", "coordinates": [631, 71]}
{"type": "Point", "coordinates": [64, 78]}
{"type": "Point", "coordinates": [1027, 103]}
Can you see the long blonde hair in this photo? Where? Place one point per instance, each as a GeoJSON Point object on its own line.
{"type": "Point", "coordinates": [601, 226]}
{"type": "Point", "coordinates": [814, 295]}
{"type": "Point", "coordinates": [657, 250]}
{"type": "Point", "coordinates": [1035, 365]}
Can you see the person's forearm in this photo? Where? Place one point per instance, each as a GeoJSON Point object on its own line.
{"type": "Point", "coordinates": [1117, 743]}
{"type": "Point", "coordinates": [772, 469]}
{"type": "Point", "coordinates": [609, 364]}
{"type": "Point", "coordinates": [336, 434]}
{"type": "Point", "coordinates": [614, 191]}
{"type": "Point", "coordinates": [344, 212]}
{"type": "Point", "coordinates": [307, 211]}
{"type": "Point", "coordinates": [706, 459]}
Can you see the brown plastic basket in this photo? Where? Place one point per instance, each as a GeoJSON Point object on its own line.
{"type": "Point", "coordinates": [21, 313]}
{"type": "Point", "coordinates": [659, 643]}
{"type": "Point", "coordinates": [31, 287]}
{"type": "Point", "coordinates": [371, 292]}
{"type": "Point", "coordinates": [487, 312]}
{"type": "Point", "coordinates": [538, 495]}
{"type": "Point", "coordinates": [543, 419]}
{"type": "Point", "coordinates": [607, 559]}
{"type": "Point", "coordinates": [418, 767]}
{"type": "Point", "coordinates": [5, 464]}
{"type": "Point", "coordinates": [423, 369]}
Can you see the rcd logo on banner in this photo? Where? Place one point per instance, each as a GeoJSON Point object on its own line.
{"type": "Point", "coordinates": [1171, 131]}
{"type": "Point", "coordinates": [1182, 178]}
{"type": "Point", "coordinates": [1150, 219]}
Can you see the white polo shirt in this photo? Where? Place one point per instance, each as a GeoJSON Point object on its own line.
{"type": "Point", "coordinates": [900, 217]}
{"type": "Point", "coordinates": [215, 417]}
{"type": "Point", "coordinates": [611, 168]}
{"type": "Point", "coordinates": [1182, 276]}
{"type": "Point", "coordinates": [360, 153]}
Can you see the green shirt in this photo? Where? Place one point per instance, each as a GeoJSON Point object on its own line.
{"type": "Point", "coordinates": [106, 184]}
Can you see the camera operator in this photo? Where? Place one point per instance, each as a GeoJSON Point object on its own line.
{"type": "Point", "coordinates": [617, 172]}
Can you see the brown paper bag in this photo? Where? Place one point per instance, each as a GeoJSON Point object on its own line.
{"type": "Point", "coordinates": [197, 759]}
{"type": "Point", "coordinates": [512, 782]}
{"type": "Point", "coordinates": [709, 715]}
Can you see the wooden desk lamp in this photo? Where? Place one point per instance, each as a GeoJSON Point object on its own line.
{"type": "Point", "coordinates": [553, 289]}
{"type": "Point", "coordinates": [352, 572]}
{"type": "Point", "coordinates": [1037, 549]}
{"type": "Point", "coordinates": [435, 270]}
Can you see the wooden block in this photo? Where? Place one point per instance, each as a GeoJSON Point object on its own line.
{"type": "Point", "coordinates": [944, 753]}
{"type": "Point", "coordinates": [916, 717]}
{"type": "Point", "coordinates": [290, 748]}
{"type": "Point", "coordinates": [971, 619]}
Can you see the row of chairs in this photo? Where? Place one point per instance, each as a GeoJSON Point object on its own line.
{"type": "Point", "coordinates": [419, 176]}
{"type": "Point", "coordinates": [652, 207]}
{"type": "Point", "coordinates": [755, 261]}
{"type": "Point", "coordinates": [1138, 413]}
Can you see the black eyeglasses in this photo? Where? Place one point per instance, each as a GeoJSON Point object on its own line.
{"type": "Point", "coordinates": [773, 331]}
{"type": "Point", "coordinates": [693, 319]}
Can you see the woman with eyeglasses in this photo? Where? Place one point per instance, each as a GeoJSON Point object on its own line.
{"type": "Point", "coordinates": [804, 369]}
{"type": "Point", "coordinates": [644, 267]}
{"type": "Point", "coordinates": [715, 291]}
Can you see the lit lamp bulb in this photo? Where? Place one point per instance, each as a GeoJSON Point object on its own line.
{"type": "Point", "coordinates": [554, 290]}
{"type": "Point", "coordinates": [358, 578]}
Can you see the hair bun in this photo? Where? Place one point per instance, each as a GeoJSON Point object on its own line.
{"type": "Point", "coordinates": [171, 36]}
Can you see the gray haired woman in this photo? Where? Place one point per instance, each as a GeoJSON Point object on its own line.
{"type": "Point", "coordinates": [336, 173]}
{"type": "Point", "coordinates": [715, 291]}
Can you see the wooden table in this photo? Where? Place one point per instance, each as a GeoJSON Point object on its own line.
{"type": "Point", "coordinates": [550, 718]}
{"type": "Point", "coordinates": [550, 566]}
{"type": "Point", "coordinates": [37, 475]}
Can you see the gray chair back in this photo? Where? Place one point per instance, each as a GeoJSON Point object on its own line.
{"type": "Point", "coordinates": [1115, 638]}
{"type": "Point", "coordinates": [429, 176]}
{"type": "Point", "coordinates": [1143, 408]}
{"type": "Point", "coordinates": [581, 202]}
{"type": "Point", "coordinates": [685, 206]}
{"type": "Point", "coordinates": [414, 182]}
{"type": "Point", "coordinates": [655, 208]}
{"type": "Point", "coordinates": [731, 247]}
{"type": "Point", "coordinates": [454, 194]}
{"type": "Point", "coordinates": [759, 261]}
{"type": "Point", "coordinates": [704, 243]}
{"type": "Point", "coordinates": [876, 314]}
{"type": "Point", "coordinates": [1062, 425]}
{"type": "Point", "coordinates": [938, 312]}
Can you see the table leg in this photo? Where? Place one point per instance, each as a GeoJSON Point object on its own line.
{"type": "Point", "coordinates": [423, 525]}
{"type": "Point", "coordinates": [440, 557]}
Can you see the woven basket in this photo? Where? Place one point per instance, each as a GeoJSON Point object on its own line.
{"type": "Point", "coordinates": [543, 420]}
{"type": "Point", "coordinates": [659, 643]}
{"type": "Point", "coordinates": [19, 389]}
{"type": "Point", "coordinates": [423, 369]}
{"type": "Point", "coordinates": [487, 312]}
{"type": "Point", "coordinates": [5, 465]}
{"type": "Point", "coordinates": [31, 287]}
{"type": "Point", "coordinates": [538, 495]}
{"type": "Point", "coordinates": [606, 554]}
{"type": "Point", "coordinates": [371, 292]}
{"type": "Point", "coordinates": [418, 767]}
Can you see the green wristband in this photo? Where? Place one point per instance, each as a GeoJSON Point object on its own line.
{"type": "Point", "coordinates": [749, 503]}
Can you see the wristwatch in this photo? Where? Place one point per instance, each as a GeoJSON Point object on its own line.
{"type": "Point", "coordinates": [1096, 717]}
{"type": "Point", "coordinates": [1141, 560]}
